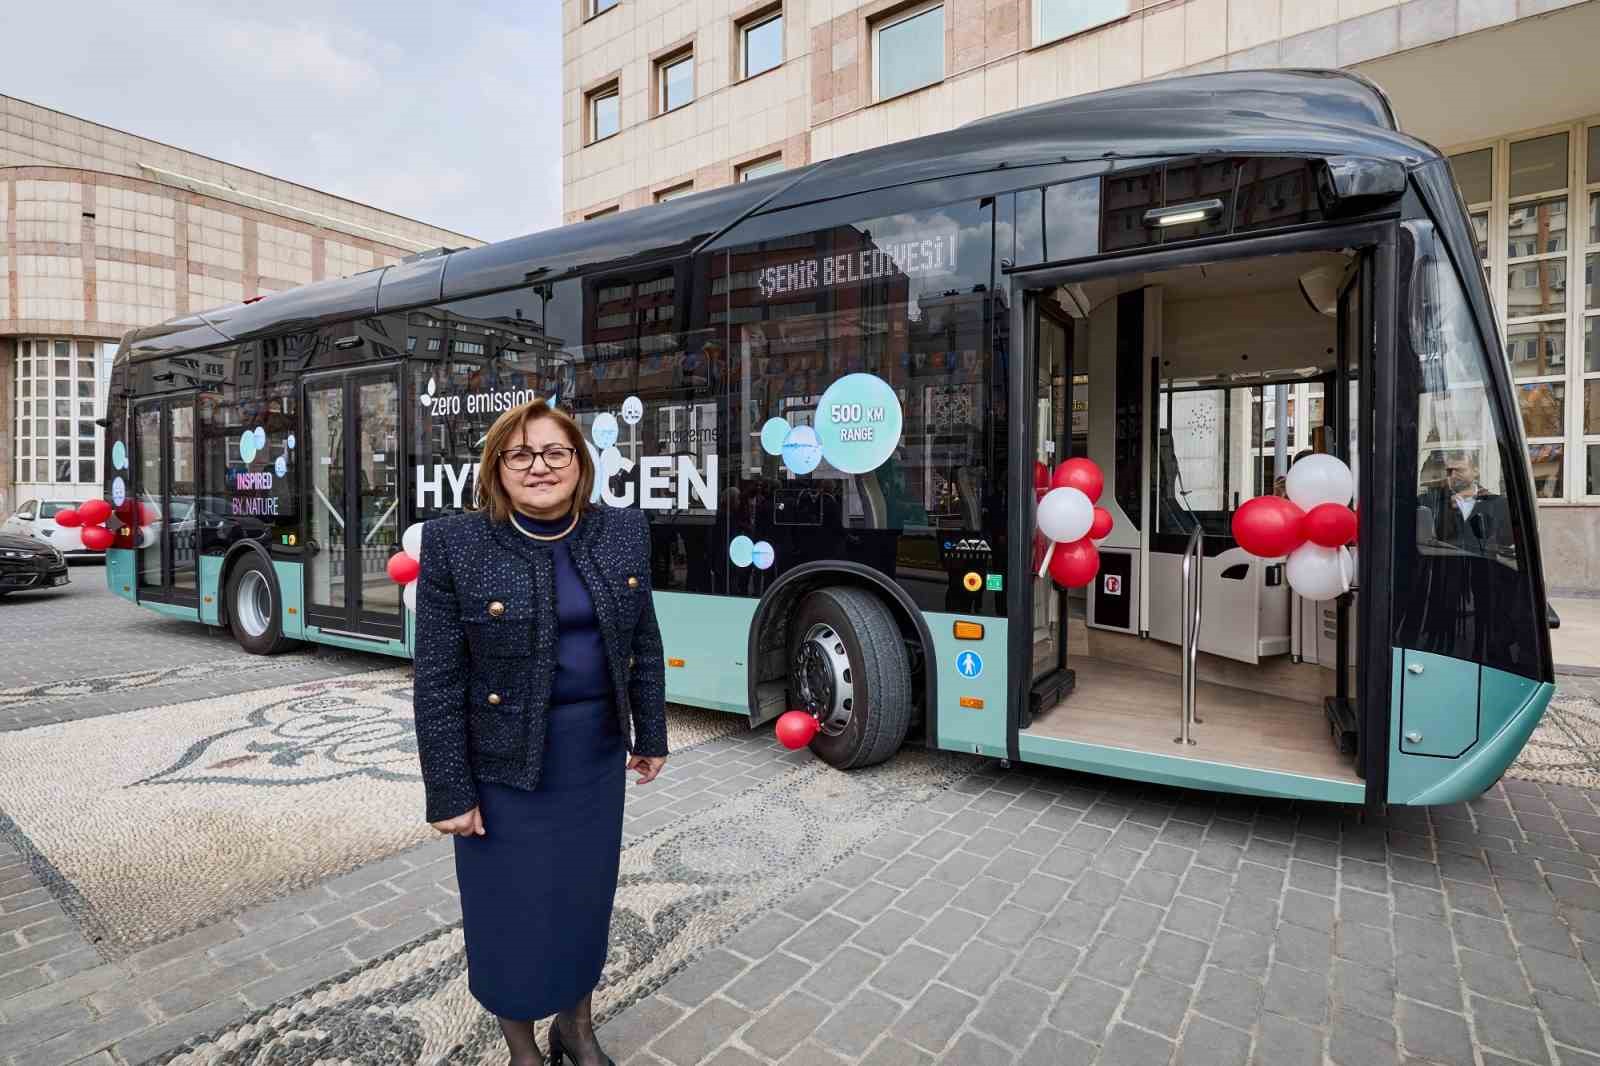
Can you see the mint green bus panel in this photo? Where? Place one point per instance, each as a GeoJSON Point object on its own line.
{"type": "Point", "coordinates": [711, 636]}
{"type": "Point", "coordinates": [980, 730]}
{"type": "Point", "coordinates": [1438, 705]}
{"type": "Point", "coordinates": [291, 578]}
{"type": "Point", "coordinates": [1184, 772]}
{"type": "Point", "coordinates": [210, 572]}
{"type": "Point", "coordinates": [1505, 709]}
{"type": "Point", "coordinates": [119, 573]}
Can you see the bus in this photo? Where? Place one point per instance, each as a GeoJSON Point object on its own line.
{"type": "Point", "coordinates": [1191, 282]}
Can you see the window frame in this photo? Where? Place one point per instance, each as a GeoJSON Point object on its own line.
{"type": "Point", "coordinates": [595, 10]}
{"type": "Point", "coordinates": [665, 64]}
{"type": "Point", "coordinates": [742, 30]}
{"type": "Point", "coordinates": [673, 192]}
{"type": "Point", "coordinates": [897, 18]}
{"type": "Point", "coordinates": [1581, 186]}
{"type": "Point", "coordinates": [742, 172]}
{"type": "Point", "coordinates": [1039, 37]}
{"type": "Point", "coordinates": [605, 91]}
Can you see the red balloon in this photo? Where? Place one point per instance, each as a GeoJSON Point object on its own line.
{"type": "Point", "coordinates": [1041, 477]}
{"type": "Point", "coordinates": [149, 513]}
{"type": "Point", "coordinates": [69, 518]}
{"type": "Point", "coordinates": [1269, 526]}
{"type": "Point", "coordinates": [98, 538]}
{"type": "Point", "coordinates": [94, 512]}
{"type": "Point", "coordinates": [403, 568]}
{"type": "Point", "coordinates": [1102, 524]}
{"type": "Point", "coordinates": [127, 512]}
{"type": "Point", "coordinates": [1081, 474]}
{"type": "Point", "coordinates": [795, 729]}
{"type": "Point", "coordinates": [1331, 525]}
{"type": "Point", "coordinates": [1074, 565]}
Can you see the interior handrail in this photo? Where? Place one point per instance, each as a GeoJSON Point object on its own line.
{"type": "Point", "coordinates": [1192, 564]}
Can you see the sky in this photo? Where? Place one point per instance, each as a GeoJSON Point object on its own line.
{"type": "Point", "coordinates": [446, 112]}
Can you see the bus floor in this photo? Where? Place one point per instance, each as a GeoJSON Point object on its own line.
{"type": "Point", "coordinates": [1123, 706]}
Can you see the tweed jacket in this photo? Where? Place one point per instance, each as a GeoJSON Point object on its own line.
{"type": "Point", "coordinates": [486, 647]}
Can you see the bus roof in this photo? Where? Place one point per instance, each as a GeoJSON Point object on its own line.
{"type": "Point", "coordinates": [1283, 112]}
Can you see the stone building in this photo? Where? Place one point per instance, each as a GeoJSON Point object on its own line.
{"type": "Point", "coordinates": [663, 97]}
{"type": "Point", "coordinates": [102, 231]}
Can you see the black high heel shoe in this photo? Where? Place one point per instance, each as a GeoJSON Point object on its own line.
{"type": "Point", "coordinates": [558, 1050]}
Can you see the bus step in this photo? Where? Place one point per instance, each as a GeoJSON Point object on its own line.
{"type": "Point", "coordinates": [1047, 692]}
{"type": "Point", "coordinates": [1342, 722]}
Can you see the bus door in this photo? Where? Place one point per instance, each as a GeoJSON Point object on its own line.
{"type": "Point", "coordinates": [353, 503]}
{"type": "Point", "coordinates": [163, 491]}
{"type": "Point", "coordinates": [1054, 390]}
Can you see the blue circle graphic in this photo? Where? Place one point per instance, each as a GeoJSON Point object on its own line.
{"type": "Point", "coordinates": [261, 437]}
{"type": "Point", "coordinates": [247, 446]}
{"type": "Point", "coordinates": [119, 492]}
{"type": "Point", "coordinates": [741, 551]}
{"type": "Point", "coordinates": [772, 434]}
{"type": "Point", "coordinates": [281, 466]}
{"type": "Point", "coordinates": [802, 452]}
{"type": "Point", "coordinates": [969, 664]}
{"type": "Point", "coordinates": [858, 423]}
{"type": "Point", "coordinates": [119, 456]}
{"type": "Point", "coordinates": [762, 556]}
{"type": "Point", "coordinates": [604, 430]}
{"type": "Point", "coordinates": [289, 443]}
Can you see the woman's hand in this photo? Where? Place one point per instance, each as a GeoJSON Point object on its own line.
{"type": "Point", "coordinates": [462, 825]}
{"type": "Point", "coordinates": [648, 766]}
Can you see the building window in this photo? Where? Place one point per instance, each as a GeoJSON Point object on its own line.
{"type": "Point", "coordinates": [1534, 201]}
{"type": "Point", "coordinates": [760, 168]}
{"type": "Point", "coordinates": [600, 7]}
{"type": "Point", "coordinates": [605, 112]}
{"type": "Point", "coordinates": [603, 212]}
{"type": "Point", "coordinates": [1062, 18]}
{"type": "Point", "coordinates": [674, 82]}
{"type": "Point", "coordinates": [908, 50]}
{"type": "Point", "coordinates": [59, 391]}
{"type": "Point", "coordinates": [675, 192]}
{"type": "Point", "coordinates": [760, 45]}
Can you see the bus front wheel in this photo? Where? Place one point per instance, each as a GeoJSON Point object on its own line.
{"type": "Point", "coordinates": [848, 666]}
{"type": "Point", "coordinates": [255, 607]}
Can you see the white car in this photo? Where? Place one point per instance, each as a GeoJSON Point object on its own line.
{"type": "Point", "coordinates": [37, 518]}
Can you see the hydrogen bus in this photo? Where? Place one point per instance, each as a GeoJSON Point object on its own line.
{"type": "Point", "coordinates": [1191, 282]}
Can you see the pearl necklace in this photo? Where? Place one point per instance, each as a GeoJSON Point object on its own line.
{"type": "Point", "coordinates": [545, 536]}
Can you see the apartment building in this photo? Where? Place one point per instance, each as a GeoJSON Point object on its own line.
{"type": "Point", "coordinates": [663, 97]}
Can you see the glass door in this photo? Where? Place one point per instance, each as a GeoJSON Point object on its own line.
{"type": "Point", "coordinates": [353, 513]}
{"type": "Point", "coordinates": [167, 540]}
{"type": "Point", "coordinates": [1052, 397]}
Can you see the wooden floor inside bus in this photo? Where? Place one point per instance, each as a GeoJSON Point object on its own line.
{"type": "Point", "coordinates": [1126, 706]}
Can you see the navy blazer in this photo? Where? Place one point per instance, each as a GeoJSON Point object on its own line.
{"type": "Point", "coordinates": [486, 647]}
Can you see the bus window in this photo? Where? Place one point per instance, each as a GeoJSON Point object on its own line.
{"type": "Point", "coordinates": [1460, 585]}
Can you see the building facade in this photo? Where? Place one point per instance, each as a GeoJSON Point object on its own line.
{"type": "Point", "coordinates": [102, 231]}
{"type": "Point", "coordinates": [662, 98]}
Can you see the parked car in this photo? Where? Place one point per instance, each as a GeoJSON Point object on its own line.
{"type": "Point", "coordinates": [29, 563]}
{"type": "Point", "coordinates": [37, 518]}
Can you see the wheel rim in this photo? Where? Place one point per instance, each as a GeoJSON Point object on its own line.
{"type": "Point", "coordinates": [823, 680]}
{"type": "Point", "coordinates": [253, 606]}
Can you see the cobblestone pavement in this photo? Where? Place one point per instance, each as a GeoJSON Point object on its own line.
{"type": "Point", "coordinates": [935, 909]}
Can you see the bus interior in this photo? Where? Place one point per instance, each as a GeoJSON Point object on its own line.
{"type": "Point", "coordinates": [1194, 389]}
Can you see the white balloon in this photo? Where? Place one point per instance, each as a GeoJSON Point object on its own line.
{"type": "Point", "coordinates": [1319, 573]}
{"type": "Point", "coordinates": [1319, 479]}
{"type": "Point", "coordinates": [67, 538]}
{"type": "Point", "coordinates": [411, 540]}
{"type": "Point", "coordinates": [1065, 515]}
{"type": "Point", "coordinates": [410, 593]}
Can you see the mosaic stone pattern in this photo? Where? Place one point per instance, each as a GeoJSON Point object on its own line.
{"type": "Point", "coordinates": [1565, 748]}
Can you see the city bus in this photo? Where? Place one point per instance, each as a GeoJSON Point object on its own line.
{"type": "Point", "coordinates": [835, 391]}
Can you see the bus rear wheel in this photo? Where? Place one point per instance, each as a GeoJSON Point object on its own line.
{"type": "Point", "coordinates": [255, 607]}
{"type": "Point", "coordinates": [849, 667]}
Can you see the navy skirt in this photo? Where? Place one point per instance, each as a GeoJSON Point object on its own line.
{"type": "Point", "coordinates": [537, 887]}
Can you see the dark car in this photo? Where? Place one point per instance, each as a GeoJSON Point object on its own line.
{"type": "Point", "coordinates": [29, 563]}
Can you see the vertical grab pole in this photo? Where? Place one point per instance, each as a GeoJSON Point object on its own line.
{"type": "Point", "coordinates": [1191, 637]}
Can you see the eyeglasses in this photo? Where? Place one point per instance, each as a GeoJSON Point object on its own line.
{"type": "Point", "coordinates": [556, 457]}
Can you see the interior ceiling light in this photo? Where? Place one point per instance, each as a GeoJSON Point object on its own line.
{"type": "Point", "coordinates": [1183, 214]}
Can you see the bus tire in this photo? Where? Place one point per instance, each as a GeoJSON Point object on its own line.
{"type": "Point", "coordinates": [255, 607]}
{"type": "Point", "coordinates": [848, 664]}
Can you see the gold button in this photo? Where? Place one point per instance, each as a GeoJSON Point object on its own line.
{"type": "Point", "coordinates": [494, 699]}
{"type": "Point", "coordinates": [633, 582]}
{"type": "Point", "coordinates": [496, 609]}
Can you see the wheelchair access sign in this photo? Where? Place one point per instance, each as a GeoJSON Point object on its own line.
{"type": "Point", "coordinates": [969, 664]}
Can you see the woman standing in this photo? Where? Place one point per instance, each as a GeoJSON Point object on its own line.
{"type": "Point", "coordinates": [538, 670]}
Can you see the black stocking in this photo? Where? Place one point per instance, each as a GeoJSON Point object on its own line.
{"type": "Point", "coordinates": [520, 1039]}
{"type": "Point", "coordinates": [577, 1034]}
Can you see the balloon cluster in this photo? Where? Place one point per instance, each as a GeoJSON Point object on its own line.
{"type": "Point", "coordinates": [1070, 521]}
{"type": "Point", "coordinates": [405, 565]}
{"type": "Point", "coordinates": [1313, 527]}
{"type": "Point", "coordinates": [85, 527]}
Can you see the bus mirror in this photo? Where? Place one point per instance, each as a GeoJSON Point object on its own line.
{"type": "Point", "coordinates": [1350, 181]}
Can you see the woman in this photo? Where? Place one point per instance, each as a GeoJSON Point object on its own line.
{"type": "Point", "coordinates": [538, 656]}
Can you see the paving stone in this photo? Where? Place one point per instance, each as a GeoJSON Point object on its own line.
{"type": "Point", "coordinates": [1205, 1043]}
{"type": "Point", "coordinates": [1046, 963]}
{"type": "Point", "coordinates": [867, 902]}
{"type": "Point", "coordinates": [836, 979]}
{"type": "Point", "coordinates": [959, 868]}
{"type": "Point", "coordinates": [1177, 957]}
{"type": "Point", "coordinates": [627, 1033]}
{"type": "Point", "coordinates": [1134, 920]}
{"type": "Point", "coordinates": [1157, 1004]}
{"type": "Point", "coordinates": [1074, 923]}
{"type": "Point", "coordinates": [1229, 997]}
{"type": "Point", "coordinates": [949, 930]}
{"type": "Point", "coordinates": [892, 1052]}
{"type": "Point", "coordinates": [1051, 1047]}
{"type": "Point", "coordinates": [852, 1028]}
{"type": "Point", "coordinates": [1308, 911]}
{"type": "Point", "coordinates": [1364, 990]}
{"type": "Point", "coordinates": [764, 934]}
{"type": "Point", "coordinates": [700, 1032]}
{"type": "Point", "coordinates": [887, 932]}
{"type": "Point", "coordinates": [1429, 980]}
{"type": "Point", "coordinates": [1297, 994]}
{"type": "Point", "coordinates": [1358, 1040]}
{"type": "Point", "coordinates": [979, 1051]}
{"type": "Point", "coordinates": [1011, 1012]}
{"type": "Point", "coordinates": [1304, 949]}
{"type": "Point", "coordinates": [1127, 1046]}
{"type": "Point", "coordinates": [983, 895]}
{"type": "Point", "coordinates": [789, 1021]}
{"type": "Point", "coordinates": [1281, 1042]}
{"type": "Point", "coordinates": [908, 972]}
{"type": "Point", "coordinates": [1041, 892]}
{"type": "Point", "coordinates": [296, 979]}
{"type": "Point", "coordinates": [977, 967]}
{"type": "Point", "coordinates": [1437, 1035]}
{"type": "Point", "coordinates": [1510, 1029]}
{"type": "Point", "coordinates": [1560, 974]}
{"type": "Point", "coordinates": [1086, 1008]}
{"type": "Point", "coordinates": [695, 983]}
{"type": "Point", "coordinates": [1572, 1021]}
{"type": "Point", "coordinates": [812, 900]}
{"type": "Point", "coordinates": [821, 938]}
{"type": "Point", "coordinates": [1241, 950]}
{"type": "Point", "coordinates": [906, 871]}
{"type": "Point", "coordinates": [935, 1017]}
